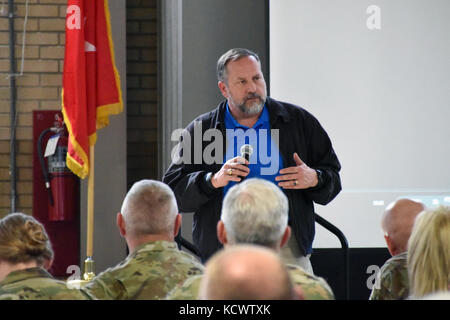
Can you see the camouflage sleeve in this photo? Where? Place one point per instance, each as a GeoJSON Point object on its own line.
{"type": "Point", "coordinates": [105, 287]}
{"type": "Point", "coordinates": [314, 288]}
{"type": "Point", "coordinates": [87, 295]}
{"type": "Point", "coordinates": [64, 294]}
{"type": "Point", "coordinates": [188, 290]}
{"type": "Point", "coordinates": [328, 293]}
{"type": "Point", "coordinates": [375, 294]}
{"type": "Point", "coordinates": [9, 296]}
{"type": "Point", "coordinates": [41, 288]}
{"type": "Point", "coordinates": [317, 291]}
{"type": "Point", "coordinates": [383, 283]}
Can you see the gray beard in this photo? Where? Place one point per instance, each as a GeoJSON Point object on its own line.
{"type": "Point", "coordinates": [253, 109]}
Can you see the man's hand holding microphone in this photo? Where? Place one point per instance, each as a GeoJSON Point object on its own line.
{"type": "Point", "coordinates": [235, 169]}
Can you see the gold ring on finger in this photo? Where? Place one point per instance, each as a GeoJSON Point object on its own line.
{"type": "Point", "coordinates": [230, 172]}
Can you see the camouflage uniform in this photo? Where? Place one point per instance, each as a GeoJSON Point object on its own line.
{"type": "Point", "coordinates": [314, 288]}
{"type": "Point", "coordinates": [148, 273]}
{"type": "Point", "coordinates": [392, 280]}
{"type": "Point", "coordinates": [37, 284]}
{"type": "Point", "coordinates": [187, 290]}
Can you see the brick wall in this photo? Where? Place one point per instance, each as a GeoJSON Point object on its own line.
{"type": "Point", "coordinates": [40, 88]}
{"type": "Point", "coordinates": [142, 90]}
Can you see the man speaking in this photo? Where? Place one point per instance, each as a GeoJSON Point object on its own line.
{"type": "Point", "coordinates": [288, 147]}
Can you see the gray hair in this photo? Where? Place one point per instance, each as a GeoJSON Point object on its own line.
{"type": "Point", "coordinates": [256, 212]}
{"type": "Point", "coordinates": [149, 207]}
{"type": "Point", "coordinates": [232, 55]}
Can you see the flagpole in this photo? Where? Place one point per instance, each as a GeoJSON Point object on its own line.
{"type": "Point", "coordinates": [89, 262]}
{"type": "Point", "coordinates": [79, 45]}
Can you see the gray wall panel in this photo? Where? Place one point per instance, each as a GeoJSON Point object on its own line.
{"type": "Point", "coordinates": [210, 28]}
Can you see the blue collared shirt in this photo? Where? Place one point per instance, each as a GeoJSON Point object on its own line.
{"type": "Point", "coordinates": [266, 160]}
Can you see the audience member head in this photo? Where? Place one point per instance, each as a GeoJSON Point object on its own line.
{"type": "Point", "coordinates": [24, 243]}
{"type": "Point", "coordinates": [149, 213]}
{"type": "Point", "coordinates": [246, 272]}
{"type": "Point", "coordinates": [397, 223]}
{"type": "Point", "coordinates": [255, 212]}
{"type": "Point", "coordinates": [429, 252]}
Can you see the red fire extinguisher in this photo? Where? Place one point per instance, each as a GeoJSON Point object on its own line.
{"type": "Point", "coordinates": [62, 185]}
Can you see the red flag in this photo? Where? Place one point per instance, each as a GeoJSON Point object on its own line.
{"type": "Point", "coordinates": [91, 83]}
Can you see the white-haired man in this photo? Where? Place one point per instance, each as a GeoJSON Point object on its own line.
{"type": "Point", "coordinates": [256, 212]}
{"type": "Point", "coordinates": [149, 221]}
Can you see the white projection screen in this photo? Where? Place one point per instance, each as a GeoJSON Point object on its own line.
{"type": "Point", "coordinates": [376, 74]}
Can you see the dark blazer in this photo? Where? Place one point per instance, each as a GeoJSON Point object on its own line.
{"type": "Point", "coordinates": [299, 131]}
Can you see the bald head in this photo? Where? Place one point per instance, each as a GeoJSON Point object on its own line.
{"type": "Point", "coordinates": [397, 222]}
{"type": "Point", "coordinates": [246, 272]}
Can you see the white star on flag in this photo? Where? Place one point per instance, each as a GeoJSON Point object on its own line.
{"type": "Point", "coordinates": [89, 47]}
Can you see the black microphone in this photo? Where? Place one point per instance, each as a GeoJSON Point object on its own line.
{"type": "Point", "coordinates": [246, 152]}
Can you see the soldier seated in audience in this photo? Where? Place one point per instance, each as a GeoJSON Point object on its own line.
{"type": "Point", "coordinates": [148, 221]}
{"type": "Point", "coordinates": [397, 222]}
{"type": "Point", "coordinates": [25, 254]}
{"type": "Point", "coordinates": [246, 272]}
{"type": "Point", "coordinates": [256, 212]}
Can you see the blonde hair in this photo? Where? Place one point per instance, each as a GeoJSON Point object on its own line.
{"type": "Point", "coordinates": [23, 239]}
{"type": "Point", "coordinates": [429, 252]}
